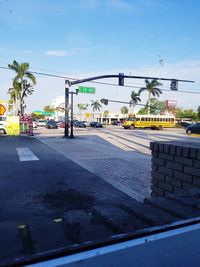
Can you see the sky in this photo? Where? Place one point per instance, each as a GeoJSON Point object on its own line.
{"type": "Point", "coordinates": [84, 38]}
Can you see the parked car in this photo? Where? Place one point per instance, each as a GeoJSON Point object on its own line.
{"type": "Point", "coordinates": [193, 128]}
{"type": "Point", "coordinates": [185, 124]}
{"type": "Point", "coordinates": [96, 124]}
{"type": "Point", "coordinates": [35, 125]}
{"type": "Point", "coordinates": [80, 124]}
{"type": "Point", "coordinates": [41, 123]}
{"type": "Point", "coordinates": [51, 124]}
{"type": "Point", "coordinates": [116, 123]}
{"type": "Point", "coordinates": [62, 124]}
{"type": "Point", "coordinates": [2, 128]}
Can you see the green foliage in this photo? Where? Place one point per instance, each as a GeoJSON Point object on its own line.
{"type": "Point", "coordinates": [37, 116]}
{"type": "Point", "coordinates": [21, 87]}
{"type": "Point", "coordinates": [134, 98]}
{"type": "Point", "coordinates": [124, 110]}
{"type": "Point", "coordinates": [157, 107]}
{"type": "Point", "coordinates": [186, 113]}
{"type": "Point", "coordinates": [143, 111]}
{"type": "Point", "coordinates": [96, 106]}
{"type": "Point", "coordinates": [60, 109]}
{"type": "Point", "coordinates": [198, 111]}
{"type": "Point", "coordinates": [82, 107]}
{"type": "Point", "coordinates": [49, 109]}
{"type": "Point", "coordinates": [152, 89]}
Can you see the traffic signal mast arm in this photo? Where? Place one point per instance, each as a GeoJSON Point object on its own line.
{"type": "Point", "coordinates": [121, 76]}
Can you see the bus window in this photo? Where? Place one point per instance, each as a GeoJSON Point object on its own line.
{"type": "Point", "coordinates": [137, 119]}
{"type": "Point", "coordinates": [142, 119]}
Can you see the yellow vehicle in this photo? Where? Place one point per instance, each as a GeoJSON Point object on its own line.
{"type": "Point", "coordinates": [149, 121]}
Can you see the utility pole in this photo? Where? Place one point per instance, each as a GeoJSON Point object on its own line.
{"type": "Point", "coordinates": [67, 85]}
{"type": "Point", "coordinates": [72, 104]}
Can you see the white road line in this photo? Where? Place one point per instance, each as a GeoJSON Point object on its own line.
{"type": "Point", "coordinates": [25, 154]}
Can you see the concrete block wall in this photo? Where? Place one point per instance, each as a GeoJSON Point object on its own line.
{"type": "Point", "coordinates": [175, 167]}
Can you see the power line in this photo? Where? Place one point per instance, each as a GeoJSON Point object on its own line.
{"type": "Point", "coordinates": [103, 83]}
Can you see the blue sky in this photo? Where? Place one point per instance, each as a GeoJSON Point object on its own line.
{"type": "Point", "coordinates": [88, 37]}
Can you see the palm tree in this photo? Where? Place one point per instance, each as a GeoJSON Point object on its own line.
{"type": "Point", "coordinates": [82, 107]}
{"type": "Point", "coordinates": [21, 78]}
{"type": "Point", "coordinates": [134, 100]}
{"type": "Point", "coordinates": [124, 110]}
{"type": "Point", "coordinates": [151, 88]}
{"type": "Point", "coordinates": [96, 106]}
{"type": "Point", "coordinates": [14, 93]}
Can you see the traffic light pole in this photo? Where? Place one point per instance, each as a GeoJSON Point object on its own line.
{"type": "Point", "coordinates": [67, 85]}
{"type": "Point", "coordinates": [72, 112]}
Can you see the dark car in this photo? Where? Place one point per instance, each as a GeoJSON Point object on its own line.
{"type": "Point", "coordinates": [51, 124]}
{"type": "Point", "coordinates": [194, 128]}
{"type": "Point", "coordinates": [116, 123]}
{"type": "Point", "coordinates": [185, 124]}
{"type": "Point", "coordinates": [80, 124]}
{"type": "Point", "coordinates": [96, 124]}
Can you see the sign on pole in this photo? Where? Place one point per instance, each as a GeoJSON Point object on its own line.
{"type": "Point", "coordinates": [86, 90]}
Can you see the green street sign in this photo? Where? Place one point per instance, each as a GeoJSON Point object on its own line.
{"type": "Point", "coordinates": [86, 90]}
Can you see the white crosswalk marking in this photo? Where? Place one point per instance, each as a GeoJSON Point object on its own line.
{"type": "Point", "coordinates": [25, 154]}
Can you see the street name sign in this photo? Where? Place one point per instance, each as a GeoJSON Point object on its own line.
{"type": "Point", "coordinates": [86, 90]}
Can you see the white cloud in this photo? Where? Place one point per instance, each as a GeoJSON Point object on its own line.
{"type": "Point", "coordinates": [59, 53]}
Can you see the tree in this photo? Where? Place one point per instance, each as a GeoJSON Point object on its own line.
{"type": "Point", "coordinates": [60, 109]}
{"type": "Point", "coordinates": [124, 110]}
{"type": "Point", "coordinates": [49, 109]}
{"type": "Point", "coordinates": [14, 93]}
{"type": "Point", "coordinates": [22, 88]}
{"type": "Point", "coordinates": [198, 111]}
{"type": "Point", "coordinates": [157, 107]}
{"type": "Point", "coordinates": [186, 113]}
{"type": "Point", "coordinates": [82, 107]}
{"type": "Point", "coordinates": [151, 88]}
{"type": "Point", "coordinates": [36, 116]}
{"type": "Point", "coordinates": [96, 106]}
{"type": "Point", "coordinates": [134, 98]}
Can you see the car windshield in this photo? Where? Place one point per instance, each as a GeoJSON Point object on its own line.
{"type": "Point", "coordinates": [99, 132]}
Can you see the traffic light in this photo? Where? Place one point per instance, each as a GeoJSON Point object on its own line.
{"type": "Point", "coordinates": [121, 79]}
{"type": "Point", "coordinates": [174, 85]}
{"type": "Point", "coordinates": [104, 101]}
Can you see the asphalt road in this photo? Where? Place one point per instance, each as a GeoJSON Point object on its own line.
{"type": "Point", "coordinates": [47, 201]}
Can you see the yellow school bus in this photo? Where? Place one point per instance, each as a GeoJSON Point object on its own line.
{"type": "Point", "coordinates": [149, 121]}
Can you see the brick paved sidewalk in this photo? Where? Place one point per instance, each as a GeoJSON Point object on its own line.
{"type": "Point", "coordinates": [128, 171]}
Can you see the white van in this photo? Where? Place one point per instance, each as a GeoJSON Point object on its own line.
{"type": "Point", "coordinates": [2, 125]}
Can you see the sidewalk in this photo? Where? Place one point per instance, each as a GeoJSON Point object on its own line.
{"type": "Point", "coordinates": [129, 171]}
